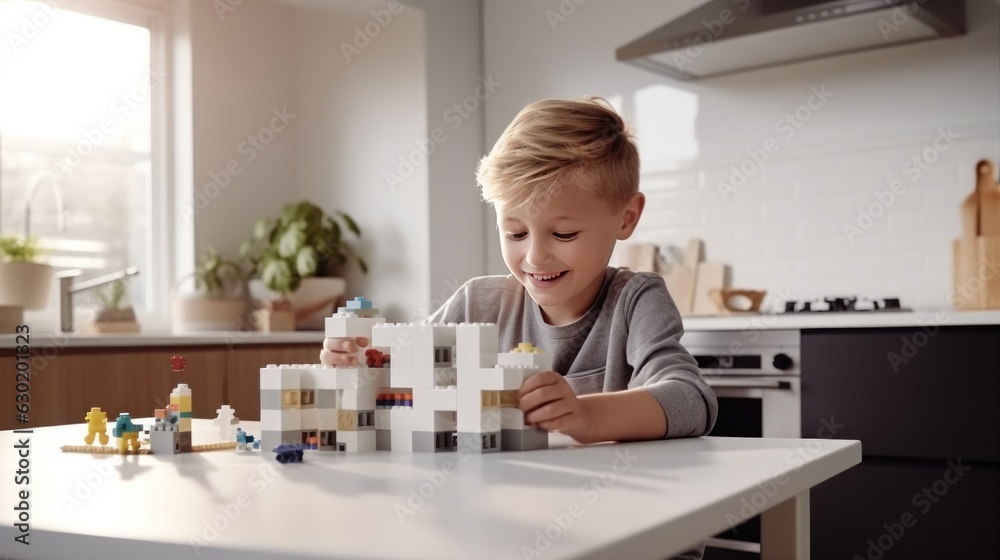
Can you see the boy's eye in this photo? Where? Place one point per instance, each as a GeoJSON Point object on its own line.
{"type": "Point", "coordinates": [565, 236]}
{"type": "Point", "coordinates": [516, 236]}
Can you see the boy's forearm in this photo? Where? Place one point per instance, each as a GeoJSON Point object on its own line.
{"type": "Point", "coordinates": [625, 415]}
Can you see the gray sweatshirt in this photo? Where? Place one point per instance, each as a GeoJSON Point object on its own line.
{"type": "Point", "coordinates": [630, 338]}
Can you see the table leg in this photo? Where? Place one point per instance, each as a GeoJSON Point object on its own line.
{"type": "Point", "coordinates": [784, 530]}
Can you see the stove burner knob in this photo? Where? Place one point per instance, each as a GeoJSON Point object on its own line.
{"type": "Point", "coordinates": [790, 306]}
{"type": "Point", "coordinates": [782, 361]}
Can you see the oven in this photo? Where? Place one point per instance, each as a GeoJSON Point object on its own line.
{"type": "Point", "coordinates": [756, 378]}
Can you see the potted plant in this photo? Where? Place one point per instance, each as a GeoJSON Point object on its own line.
{"type": "Point", "coordinates": [219, 301]}
{"type": "Point", "coordinates": [24, 282]}
{"type": "Point", "coordinates": [297, 257]}
{"type": "Point", "coordinates": [112, 316]}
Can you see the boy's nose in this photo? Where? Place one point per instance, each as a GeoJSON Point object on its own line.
{"type": "Point", "coordinates": [538, 254]}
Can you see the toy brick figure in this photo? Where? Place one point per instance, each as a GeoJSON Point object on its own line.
{"type": "Point", "coordinates": [97, 426]}
{"type": "Point", "coordinates": [127, 433]}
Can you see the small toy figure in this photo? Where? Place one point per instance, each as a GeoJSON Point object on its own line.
{"type": "Point", "coordinates": [290, 452]}
{"type": "Point", "coordinates": [226, 421]}
{"type": "Point", "coordinates": [375, 358]}
{"type": "Point", "coordinates": [97, 426]}
{"type": "Point", "coordinates": [127, 433]}
{"type": "Point", "coordinates": [244, 439]}
{"type": "Point", "coordinates": [177, 363]}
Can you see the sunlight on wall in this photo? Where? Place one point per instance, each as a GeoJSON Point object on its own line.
{"type": "Point", "coordinates": [665, 119]}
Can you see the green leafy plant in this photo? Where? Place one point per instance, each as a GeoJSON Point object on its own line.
{"type": "Point", "coordinates": [110, 298]}
{"type": "Point", "coordinates": [215, 276]}
{"type": "Point", "coordinates": [18, 249]}
{"type": "Point", "coordinates": [302, 242]}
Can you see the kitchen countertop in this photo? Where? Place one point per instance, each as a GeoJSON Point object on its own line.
{"type": "Point", "coordinates": [214, 338]}
{"type": "Point", "coordinates": [835, 320]}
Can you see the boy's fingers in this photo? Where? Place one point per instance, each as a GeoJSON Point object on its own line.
{"type": "Point", "coordinates": [538, 380]}
{"type": "Point", "coordinates": [546, 415]}
{"type": "Point", "coordinates": [362, 341]}
{"type": "Point", "coordinates": [540, 396]}
{"type": "Point", "coordinates": [340, 345]}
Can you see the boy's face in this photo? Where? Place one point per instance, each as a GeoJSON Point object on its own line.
{"type": "Point", "coordinates": [559, 247]}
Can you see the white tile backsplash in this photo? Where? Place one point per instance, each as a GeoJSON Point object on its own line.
{"type": "Point", "coordinates": [784, 228]}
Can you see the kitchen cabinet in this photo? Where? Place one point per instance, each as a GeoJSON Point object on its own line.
{"type": "Point", "coordinates": [925, 403]}
{"type": "Point", "coordinates": [66, 383]}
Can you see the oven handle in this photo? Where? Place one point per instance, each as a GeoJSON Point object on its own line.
{"type": "Point", "coordinates": [748, 383]}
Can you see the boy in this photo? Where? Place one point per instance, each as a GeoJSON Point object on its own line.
{"type": "Point", "coordinates": [564, 178]}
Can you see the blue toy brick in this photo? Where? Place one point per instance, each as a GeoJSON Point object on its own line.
{"type": "Point", "coordinates": [290, 452]}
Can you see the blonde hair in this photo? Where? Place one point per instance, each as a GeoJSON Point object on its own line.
{"type": "Point", "coordinates": [554, 142]}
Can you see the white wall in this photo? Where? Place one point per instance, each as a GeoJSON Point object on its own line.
{"type": "Point", "coordinates": [784, 229]}
{"type": "Point", "coordinates": [358, 116]}
{"type": "Point", "coordinates": [242, 72]}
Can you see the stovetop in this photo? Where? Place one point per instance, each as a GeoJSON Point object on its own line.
{"type": "Point", "coordinates": [850, 304]}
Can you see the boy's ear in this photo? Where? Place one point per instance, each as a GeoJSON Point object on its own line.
{"type": "Point", "coordinates": [631, 215]}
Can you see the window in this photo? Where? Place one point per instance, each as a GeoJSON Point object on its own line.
{"type": "Point", "coordinates": [80, 112]}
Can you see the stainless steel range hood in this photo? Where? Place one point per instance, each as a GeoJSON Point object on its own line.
{"type": "Point", "coordinates": [727, 36]}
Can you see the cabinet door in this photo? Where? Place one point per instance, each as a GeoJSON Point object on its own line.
{"type": "Point", "coordinates": [878, 509]}
{"type": "Point", "coordinates": [905, 393]}
{"type": "Point", "coordinates": [67, 383]}
{"type": "Point", "coordinates": [243, 391]}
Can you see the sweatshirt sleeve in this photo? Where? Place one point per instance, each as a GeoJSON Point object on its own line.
{"type": "Point", "coordinates": [662, 366]}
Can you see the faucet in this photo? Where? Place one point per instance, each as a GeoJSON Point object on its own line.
{"type": "Point", "coordinates": [67, 288]}
{"type": "Point", "coordinates": [56, 191]}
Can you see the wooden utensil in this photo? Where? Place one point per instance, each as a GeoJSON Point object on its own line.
{"type": "Point", "coordinates": [975, 276]}
{"type": "Point", "coordinates": [989, 199]}
{"type": "Point", "coordinates": [727, 300]}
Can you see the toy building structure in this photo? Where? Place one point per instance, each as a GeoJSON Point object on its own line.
{"type": "Point", "coordinates": [439, 387]}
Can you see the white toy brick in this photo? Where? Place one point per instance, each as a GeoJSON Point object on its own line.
{"type": "Point", "coordinates": [443, 335]}
{"type": "Point", "coordinates": [408, 419]}
{"type": "Point", "coordinates": [375, 377]}
{"type": "Point", "coordinates": [279, 377]}
{"type": "Point", "coordinates": [512, 419]}
{"type": "Point", "coordinates": [358, 399]}
{"type": "Point", "coordinates": [326, 419]}
{"type": "Point", "coordinates": [541, 362]}
{"type": "Point", "coordinates": [383, 419]}
{"type": "Point", "coordinates": [435, 399]}
{"type": "Point", "coordinates": [309, 419]}
{"type": "Point", "coordinates": [485, 421]}
{"type": "Point", "coordinates": [476, 345]}
{"type": "Point", "coordinates": [412, 377]}
{"type": "Point", "coordinates": [350, 378]}
{"type": "Point", "coordinates": [320, 377]}
{"type": "Point", "coordinates": [400, 356]}
{"type": "Point", "coordinates": [181, 390]}
{"type": "Point", "coordinates": [280, 420]}
{"type": "Point", "coordinates": [402, 440]}
{"type": "Point", "coordinates": [342, 326]}
{"type": "Point", "coordinates": [386, 335]}
{"type": "Point", "coordinates": [357, 442]}
{"type": "Point", "coordinates": [495, 378]}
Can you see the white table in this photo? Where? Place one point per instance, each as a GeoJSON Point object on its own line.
{"type": "Point", "coordinates": [631, 500]}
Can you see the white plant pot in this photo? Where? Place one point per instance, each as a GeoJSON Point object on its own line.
{"type": "Point", "coordinates": [313, 291]}
{"type": "Point", "coordinates": [25, 285]}
{"type": "Point", "coordinates": [192, 313]}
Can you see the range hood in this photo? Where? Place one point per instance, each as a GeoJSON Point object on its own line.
{"type": "Point", "coordinates": [728, 36]}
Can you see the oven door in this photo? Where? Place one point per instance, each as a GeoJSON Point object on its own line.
{"type": "Point", "coordinates": [751, 406]}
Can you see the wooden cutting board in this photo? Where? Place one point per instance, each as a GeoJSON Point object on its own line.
{"type": "Point", "coordinates": [981, 209]}
{"type": "Point", "coordinates": [710, 276]}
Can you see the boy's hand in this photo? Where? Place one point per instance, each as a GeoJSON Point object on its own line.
{"type": "Point", "coordinates": [341, 352]}
{"type": "Point", "coordinates": [549, 403]}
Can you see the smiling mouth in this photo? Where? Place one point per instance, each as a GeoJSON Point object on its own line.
{"type": "Point", "coordinates": [544, 277]}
